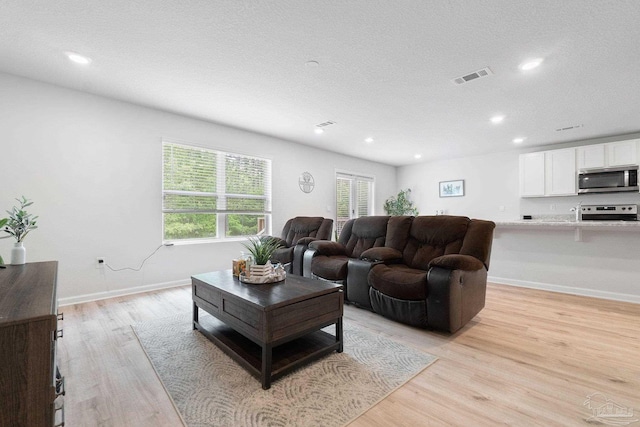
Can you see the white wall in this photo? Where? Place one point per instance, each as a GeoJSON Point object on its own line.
{"type": "Point", "coordinates": [93, 168]}
{"type": "Point", "coordinates": [605, 264]}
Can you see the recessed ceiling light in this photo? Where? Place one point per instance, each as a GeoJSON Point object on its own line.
{"type": "Point", "coordinates": [318, 131]}
{"type": "Point", "coordinates": [531, 64]}
{"type": "Point", "coordinates": [497, 119]}
{"type": "Point", "coordinates": [77, 58]}
{"type": "Point", "coordinates": [417, 156]}
{"type": "Point", "coordinates": [368, 140]}
{"type": "Point", "coordinates": [518, 140]}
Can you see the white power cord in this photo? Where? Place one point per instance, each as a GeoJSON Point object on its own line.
{"type": "Point", "coordinates": [143, 261]}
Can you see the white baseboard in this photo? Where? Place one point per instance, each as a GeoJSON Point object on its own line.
{"type": "Point", "coordinates": [120, 292]}
{"type": "Point", "coordinates": [566, 289]}
{"type": "Point", "coordinates": [499, 280]}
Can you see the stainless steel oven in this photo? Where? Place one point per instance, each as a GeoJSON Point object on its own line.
{"type": "Point", "coordinates": [608, 180]}
{"type": "Point", "coordinates": [609, 212]}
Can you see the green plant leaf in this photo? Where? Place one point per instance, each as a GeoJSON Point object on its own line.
{"type": "Point", "coordinates": [400, 205]}
{"type": "Point", "coordinates": [20, 222]}
{"type": "Point", "coordinates": [261, 248]}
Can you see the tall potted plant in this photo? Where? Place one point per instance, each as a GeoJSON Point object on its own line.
{"type": "Point", "coordinates": [400, 205]}
{"type": "Point", "coordinates": [18, 225]}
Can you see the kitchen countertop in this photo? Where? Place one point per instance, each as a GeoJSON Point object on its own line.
{"type": "Point", "coordinates": [567, 223]}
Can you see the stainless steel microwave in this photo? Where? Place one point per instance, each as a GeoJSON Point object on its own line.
{"type": "Point", "coordinates": [608, 180]}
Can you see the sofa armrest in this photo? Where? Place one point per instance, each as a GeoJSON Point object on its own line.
{"type": "Point", "coordinates": [327, 247]}
{"type": "Point", "coordinates": [307, 257]}
{"type": "Point", "coordinates": [305, 240]}
{"type": "Point", "coordinates": [281, 242]}
{"type": "Point", "coordinates": [357, 286]}
{"type": "Point", "coordinates": [383, 254]}
{"type": "Point", "coordinates": [454, 297]}
{"type": "Point", "coordinates": [297, 263]}
{"type": "Point", "coordinates": [457, 262]}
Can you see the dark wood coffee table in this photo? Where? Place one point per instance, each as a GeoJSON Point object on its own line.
{"type": "Point", "coordinates": [269, 329]}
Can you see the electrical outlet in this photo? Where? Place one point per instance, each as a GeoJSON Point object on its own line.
{"type": "Point", "coordinates": [552, 207]}
{"type": "Point", "coordinates": [100, 262]}
{"type": "Point", "coordinates": [501, 208]}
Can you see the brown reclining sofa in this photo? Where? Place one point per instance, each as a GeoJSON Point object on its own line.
{"type": "Point", "coordinates": [296, 235]}
{"type": "Point", "coordinates": [430, 272]}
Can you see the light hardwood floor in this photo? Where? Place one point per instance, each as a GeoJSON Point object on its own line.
{"type": "Point", "coordinates": [529, 358]}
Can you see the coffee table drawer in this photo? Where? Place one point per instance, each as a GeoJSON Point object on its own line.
{"type": "Point", "coordinates": [242, 317]}
{"type": "Point", "coordinates": [306, 315]}
{"type": "Point", "coordinates": [209, 296]}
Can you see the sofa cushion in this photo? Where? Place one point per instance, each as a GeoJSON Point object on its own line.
{"type": "Point", "coordinates": [301, 226]}
{"type": "Point", "coordinates": [330, 267]}
{"type": "Point", "coordinates": [367, 232]}
{"type": "Point", "coordinates": [399, 281]}
{"type": "Point", "coordinates": [398, 232]}
{"type": "Point", "coordinates": [433, 236]}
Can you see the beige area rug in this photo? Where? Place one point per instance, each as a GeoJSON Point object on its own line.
{"type": "Point", "coordinates": [210, 389]}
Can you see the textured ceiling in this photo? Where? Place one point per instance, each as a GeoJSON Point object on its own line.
{"type": "Point", "coordinates": [385, 67]}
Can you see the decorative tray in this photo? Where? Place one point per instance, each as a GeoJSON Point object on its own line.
{"type": "Point", "coordinates": [260, 280]}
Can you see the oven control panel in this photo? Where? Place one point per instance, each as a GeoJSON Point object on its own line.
{"type": "Point", "coordinates": [610, 212]}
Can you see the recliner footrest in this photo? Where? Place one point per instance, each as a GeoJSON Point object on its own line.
{"type": "Point", "coordinates": [409, 312]}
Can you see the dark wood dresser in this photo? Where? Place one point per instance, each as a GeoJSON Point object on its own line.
{"type": "Point", "coordinates": [30, 384]}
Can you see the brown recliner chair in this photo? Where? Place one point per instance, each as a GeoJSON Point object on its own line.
{"type": "Point", "coordinates": [438, 280]}
{"type": "Point", "coordinates": [296, 235]}
{"type": "Point", "coordinates": [329, 260]}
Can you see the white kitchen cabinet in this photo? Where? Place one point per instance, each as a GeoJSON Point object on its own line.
{"type": "Point", "coordinates": [532, 174]}
{"type": "Point", "coordinates": [560, 172]}
{"type": "Point", "coordinates": [591, 156]}
{"type": "Point", "coordinates": [548, 173]}
{"type": "Point", "coordinates": [621, 153]}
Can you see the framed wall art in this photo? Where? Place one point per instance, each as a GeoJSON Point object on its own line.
{"type": "Point", "coordinates": [452, 188]}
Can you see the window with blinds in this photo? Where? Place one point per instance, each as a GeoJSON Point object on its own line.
{"type": "Point", "coordinates": [210, 194]}
{"type": "Point", "coordinates": [354, 197]}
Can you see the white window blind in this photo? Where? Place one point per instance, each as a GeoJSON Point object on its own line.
{"type": "Point", "coordinates": [354, 197]}
{"type": "Point", "coordinates": [210, 194]}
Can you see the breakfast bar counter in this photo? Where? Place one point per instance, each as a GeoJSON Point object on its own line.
{"type": "Point", "coordinates": [565, 224]}
{"type": "Point", "coordinates": [568, 223]}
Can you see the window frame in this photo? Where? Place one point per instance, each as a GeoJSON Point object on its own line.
{"type": "Point", "coordinates": [354, 178]}
{"type": "Point", "coordinates": [220, 195]}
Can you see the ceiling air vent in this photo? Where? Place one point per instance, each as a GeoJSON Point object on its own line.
{"type": "Point", "coordinates": [569, 128]}
{"type": "Point", "coordinates": [327, 123]}
{"type": "Point", "coordinates": [472, 76]}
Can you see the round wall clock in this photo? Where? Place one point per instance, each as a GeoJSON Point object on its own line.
{"type": "Point", "coordinates": [306, 182]}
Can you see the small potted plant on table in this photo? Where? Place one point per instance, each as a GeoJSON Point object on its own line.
{"type": "Point", "coordinates": [261, 250]}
